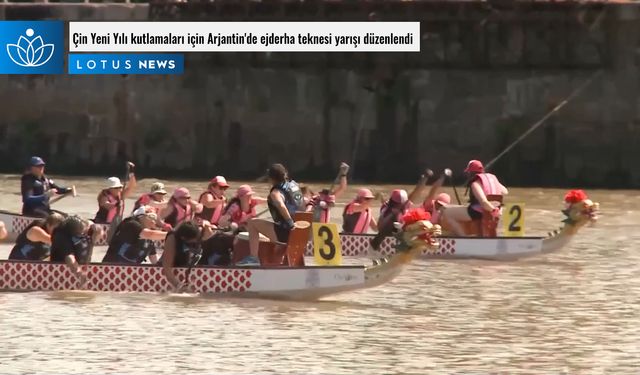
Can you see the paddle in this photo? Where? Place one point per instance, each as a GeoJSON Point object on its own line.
{"type": "Point", "coordinates": [60, 197]}
{"type": "Point", "coordinates": [118, 218]}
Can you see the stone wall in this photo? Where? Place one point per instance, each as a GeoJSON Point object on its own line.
{"type": "Point", "coordinates": [486, 73]}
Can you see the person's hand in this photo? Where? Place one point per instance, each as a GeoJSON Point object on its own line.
{"type": "Point", "coordinates": [344, 169]}
{"type": "Point", "coordinates": [131, 166]}
{"type": "Point", "coordinates": [51, 193]}
{"type": "Point", "coordinates": [180, 287]}
{"type": "Point", "coordinates": [428, 173]}
{"type": "Point", "coordinates": [82, 277]}
{"type": "Point", "coordinates": [447, 172]}
{"type": "Point", "coordinates": [289, 224]}
{"type": "Point", "coordinates": [495, 213]}
{"type": "Point", "coordinates": [166, 227]}
{"type": "Point", "coordinates": [322, 204]}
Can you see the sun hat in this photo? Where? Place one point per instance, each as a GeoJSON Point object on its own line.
{"type": "Point", "coordinates": [220, 181]}
{"type": "Point", "coordinates": [475, 166]}
{"type": "Point", "coordinates": [181, 193]}
{"type": "Point", "coordinates": [113, 183]}
{"type": "Point", "coordinates": [365, 193]}
{"type": "Point", "coordinates": [399, 196]}
{"type": "Point", "coordinates": [244, 190]}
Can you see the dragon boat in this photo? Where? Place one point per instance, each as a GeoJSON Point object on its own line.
{"type": "Point", "coordinates": [579, 211]}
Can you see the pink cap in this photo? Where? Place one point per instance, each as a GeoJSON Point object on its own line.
{"type": "Point", "coordinates": [443, 199]}
{"type": "Point", "coordinates": [365, 193]}
{"type": "Point", "coordinates": [244, 190]}
{"type": "Point", "coordinates": [399, 196]}
{"type": "Point", "coordinates": [475, 166]}
{"type": "Point", "coordinates": [181, 193]}
{"type": "Point", "coordinates": [220, 181]}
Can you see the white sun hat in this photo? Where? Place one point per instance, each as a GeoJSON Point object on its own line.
{"type": "Point", "coordinates": [113, 183]}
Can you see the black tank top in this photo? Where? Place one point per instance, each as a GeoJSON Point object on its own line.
{"type": "Point", "coordinates": [183, 255]}
{"type": "Point", "coordinates": [29, 250]}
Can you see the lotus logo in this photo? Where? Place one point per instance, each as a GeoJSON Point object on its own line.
{"type": "Point", "coordinates": [30, 52]}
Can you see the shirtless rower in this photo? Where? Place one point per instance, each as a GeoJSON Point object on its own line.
{"type": "Point", "coordinates": [213, 200]}
{"type": "Point", "coordinates": [240, 209]}
{"type": "Point", "coordinates": [357, 216]}
{"type": "Point", "coordinates": [486, 196]}
{"type": "Point", "coordinates": [34, 242]}
{"type": "Point", "coordinates": [72, 243]}
{"type": "Point", "coordinates": [132, 241]}
{"type": "Point", "coordinates": [111, 198]}
{"type": "Point", "coordinates": [183, 248]}
{"type": "Point", "coordinates": [180, 208]}
{"type": "Point", "coordinates": [37, 189]}
{"type": "Point", "coordinates": [285, 198]}
{"type": "Point", "coordinates": [322, 203]}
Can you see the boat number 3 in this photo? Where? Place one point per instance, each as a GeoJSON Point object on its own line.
{"type": "Point", "coordinates": [514, 223]}
{"type": "Point", "coordinates": [326, 244]}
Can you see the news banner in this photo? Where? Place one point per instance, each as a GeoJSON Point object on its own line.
{"type": "Point", "coordinates": [38, 47]}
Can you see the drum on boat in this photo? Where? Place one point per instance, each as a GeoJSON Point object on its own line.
{"type": "Point", "coordinates": [269, 253]}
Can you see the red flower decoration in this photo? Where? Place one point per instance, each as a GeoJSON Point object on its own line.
{"type": "Point", "coordinates": [575, 196]}
{"type": "Point", "coordinates": [415, 215]}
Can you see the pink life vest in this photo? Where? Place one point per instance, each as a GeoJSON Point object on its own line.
{"type": "Point", "coordinates": [355, 222]}
{"type": "Point", "coordinates": [491, 188]}
{"type": "Point", "coordinates": [179, 214]}
{"type": "Point", "coordinates": [212, 215]}
{"type": "Point", "coordinates": [322, 215]}
{"type": "Point", "coordinates": [104, 215]}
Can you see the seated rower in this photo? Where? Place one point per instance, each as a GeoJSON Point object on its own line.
{"type": "Point", "coordinates": [34, 243]}
{"type": "Point", "coordinates": [285, 198]}
{"type": "Point", "coordinates": [393, 209]}
{"type": "Point", "coordinates": [111, 199]}
{"type": "Point", "coordinates": [132, 241]}
{"type": "Point", "coordinates": [183, 248]}
{"type": "Point", "coordinates": [240, 209]}
{"type": "Point", "coordinates": [213, 200]}
{"type": "Point", "coordinates": [180, 208]}
{"type": "Point", "coordinates": [155, 198]}
{"type": "Point", "coordinates": [322, 203]}
{"type": "Point", "coordinates": [72, 243]}
{"type": "Point", "coordinates": [357, 217]}
{"type": "Point", "coordinates": [485, 198]}
{"type": "Point", "coordinates": [37, 189]}
{"type": "Point", "coordinates": [436, 206]}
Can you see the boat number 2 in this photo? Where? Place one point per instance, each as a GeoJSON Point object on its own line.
{"type": "Point", "coordinates": [514, 222]}
{"type": "Point", "coordinates": [327, 250]}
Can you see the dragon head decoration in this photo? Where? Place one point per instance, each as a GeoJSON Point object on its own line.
{"type": "Point", "coordinates": [417, 232]}
{"type": "Point", "coordinates": [579, 210]}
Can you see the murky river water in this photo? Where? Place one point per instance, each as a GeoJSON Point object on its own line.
{"type": "Point", "coordinates": [576, 311]}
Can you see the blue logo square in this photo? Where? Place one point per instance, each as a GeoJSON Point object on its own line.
{"type": "Point", "coordinates": [31, 47]}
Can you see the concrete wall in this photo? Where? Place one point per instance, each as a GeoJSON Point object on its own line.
{"type": "Point", "coordinates": [486, 73]}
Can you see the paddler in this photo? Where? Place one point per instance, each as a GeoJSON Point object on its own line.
{"type": "Point", "coordinates": [357, 216]}
{"type": "Point", "coordinates": [72, 243]}
{"type": "Point", "coordinates": [393, 209]}
{"type": "Point", "coordinates": [111, 198]}
{"type": "Point", "coordinates": [322, 203]}
{"type": "Point", "coordinates": [240, 209]}
{"type": "Point", "coordinates": [180, 208]}
{"type": "Point", "coordinates": [183, 248]}
{"type": "Point", "coordinates": [155, 198]}
{"type": "Point", "coordinates": [486, 196]}
{"type": "Point", "coordinates": [3, 231]}
{"type": "Point", "coordinates": [37, 189]}
{"type": "Point", "coordinates": [34, 242]}
{"type": "Point", "coordinates": [436, 206]}
{"type": "Point", "coordinates": [213, 200]}
{"type": "Point", "coordinates": [285, 198]}
{"type": "Point", "coordinates": [132, 241]}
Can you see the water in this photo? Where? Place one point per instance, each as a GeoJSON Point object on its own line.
{"type": "Point", "coordinates": [575, 311]}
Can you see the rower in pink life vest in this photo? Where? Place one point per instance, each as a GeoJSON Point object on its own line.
{"type": "Point", "coordinates": [111, 199]}
{"type": "Point", "coordinates": [486, 196]}
{"type": "Point", "coordinates": [435, 206]}
{"type": "Point", "coordinates": [393, 209]}
{"type": "Point", "coordinates": [180, 208]}
{"type": "Point", "coordinates": [155, 198]}
{"type": "Point", "coordinates": [357, 216]}
{"type": "Point", "coordinates": [240, 209]}
{"type": "Point", "coordinates": [213, 200]}
{"type": "Point", "coordinates": [322, 203]}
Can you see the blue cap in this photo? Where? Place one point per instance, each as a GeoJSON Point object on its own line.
{"type": "Point", "coordinates": [36, 161]}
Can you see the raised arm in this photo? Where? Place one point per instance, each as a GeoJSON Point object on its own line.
{"type": "Point", "coordinates": [131, 186]}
